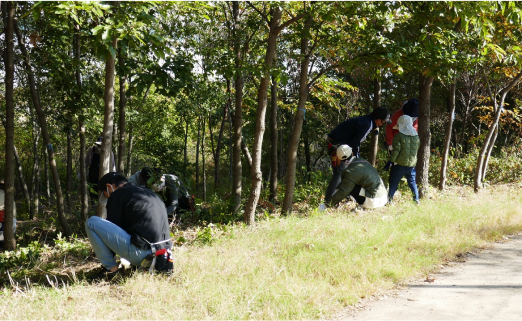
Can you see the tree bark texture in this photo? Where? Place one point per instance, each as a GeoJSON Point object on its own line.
{"type": "Point", "coordinates": [108, 122]}
{"type": "Point", "coordinates": [8, 12]}
{"type": "Point", "coordinates": [374, 142]}
{"type": "Point", "coordinates": [490, 137]}
{"type": "Point", "coordinates": [43, 126]}
{"type": "Point", "coordinates": [120, 167]}
{"type": "Point", "coordinates": [423, 155]}
{"type": "Point", "coordinates": [295, 137]}
{"type": "Point", "coordinates": [238, 115]}
{"type": "Point", "coordinates": [274, 166]}
{"type": "Point", "coordinates": [449, 129]}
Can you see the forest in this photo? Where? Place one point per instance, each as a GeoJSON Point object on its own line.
{"type": "Point", "coordinates": [236, 98]}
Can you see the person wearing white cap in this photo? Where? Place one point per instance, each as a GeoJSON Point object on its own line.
{"type": "Point", "coordinates": [411, 108]}
{"type": "Point", "coordinates": [360, 180]}
{"type": "Point", "coordinates": [404, 157]}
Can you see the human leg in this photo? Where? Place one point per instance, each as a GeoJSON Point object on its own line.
{"type": "Point", "coordinates": [412, 184]}
{"type": "Point", "coordinates": [107, 239]}
{"type": "Point", "coordinates": [396, 174]}
{"type": "Point", "coordinates": [355, 194]}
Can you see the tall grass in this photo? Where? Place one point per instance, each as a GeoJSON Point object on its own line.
{"type": "Point", "coordinates": [294, 267]}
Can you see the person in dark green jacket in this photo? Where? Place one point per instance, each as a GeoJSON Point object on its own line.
{"type": "Point", "coordinates": [360, 180]}
{"type": "Point", "coordinates": [404, 157]}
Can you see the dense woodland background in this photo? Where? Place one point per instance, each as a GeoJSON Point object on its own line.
{"type": "Point", "coordinates": [236, 97]}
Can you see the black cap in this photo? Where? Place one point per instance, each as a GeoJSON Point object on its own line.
{"type": "Point", "coordinates": [381, 113]}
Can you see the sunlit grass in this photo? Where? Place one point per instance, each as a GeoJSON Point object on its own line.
{"type": "Point", "coordinates": [294, 267]}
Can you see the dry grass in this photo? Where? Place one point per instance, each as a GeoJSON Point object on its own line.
{"type": "Point", "coordinates": [294, 267]}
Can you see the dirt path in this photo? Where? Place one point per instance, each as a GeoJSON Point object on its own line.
{"type": "Point", "coordinates": [487, 286]}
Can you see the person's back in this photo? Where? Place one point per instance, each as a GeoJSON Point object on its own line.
{"type": "Point", "coordinates": [359, 173]}
{"type": "Point", "coordinates": [140, 212]}
{"type": "Point", "coordinates": [405, 150]}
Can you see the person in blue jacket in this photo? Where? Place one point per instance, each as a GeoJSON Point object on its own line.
{"type": "Point", "coordinates": [352, 132]}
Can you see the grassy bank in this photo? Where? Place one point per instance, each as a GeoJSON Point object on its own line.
{"type": "Point", "coordinates": [293, 267]}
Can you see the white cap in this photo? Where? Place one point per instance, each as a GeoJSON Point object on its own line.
{"type": "Point", "coordinates": [405, 126]}
{"type": "Point", "coordinates": [343, 152]}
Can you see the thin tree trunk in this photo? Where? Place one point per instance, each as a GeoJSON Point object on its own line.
{"type": "Point", "coordinates": [21, 178]}
{"type": "Point", "coordinates": [197, 156]}
{"type": "Point", "coordinates": [298, 122]}
{"type": "Point", "coordinates": [69, 171]}
{"type": "Point", "coordinates": [8, 12]}
{"type": "Point", "coordinates": [491, 132]}
{"type": "Point", "coordinates": [488, 153]}
{"type": "Point", "coordinates": [423, 156]}
{"type": "Point", "coordinates": [274, 166]}
{"type": "Point", "coordinates": [108, 122]}
{"type": "Point", "coordinates": [238, 114]}
{"type": "Point", "coordinates": [35, 188]}
{"type": "Point", "coordinates": [84, 196]}
{"type": "Point", "coordinates": [43, 125]}
{"type": "Point", "coordinates": [185, 146]}
{"type": "Point", "coordinates": [121, 118]}
{"type": "Point", "coordinates": [219, 142]}
{"type": "Point", "coordinates": [449, 129]}
{"type": "Point", "coordinates": [247, 155]}
{"type": "Point", "coordinates": [128, 168]}
{"type": "Point", "coordinates": [374, 142]}
{"type": "Point", "coordinates": [47, 178]}
{"type": "Point", "coordinates": [203, 165]}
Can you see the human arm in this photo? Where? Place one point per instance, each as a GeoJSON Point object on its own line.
{"type": "Point", "coordinates": [343, 190]}
{"type": "Point", "coordinates": [172, 201]}
{"type": "Point", "coordinates": [396, 148]}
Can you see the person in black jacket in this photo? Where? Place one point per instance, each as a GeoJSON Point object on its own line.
{"type": "Point", "coordinates": [351, 132]}
{"type": "Point", "coordinates": [136, 227]}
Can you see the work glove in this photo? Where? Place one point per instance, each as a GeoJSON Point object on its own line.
{"type": "Point", "coordinates": [388, 165]}
{"type": "Point", "coordinates": [322, 207]}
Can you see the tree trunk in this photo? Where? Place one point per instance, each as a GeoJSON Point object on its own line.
{"type": "Point", "coordinates": [274, 166]}
{"type": "Point", "coordinates": [488, 153]}
{"type": "Point", "coordinates": [47, 178]}
{"type": "Point", "coordinates": [69, 171]}
{"type": "Point", "coordinates": [121, 117]}
{"type": "Point", "coordinates": [185, 144]}
{"type": "Point", "coordinates": [238, 114]}
{"type": "Point", "coordinates": [35, 189]}
{"type": "Point", "coordinates": [423, 155]}
{"type": "Point", "coordinates": [197, 156]}
{"type": "Point", "coordinates": [84, 195]}
{"type": "Point", "coordinates": [22, 179]}
{"type": "Point", "coordinates": [491, 132]}
{"type": "Point", "coordinates": [8, 11]}
{"type": "Point", "coordinates": [293, 145]}
{"type": "Point", "coordinates": [374, 142]}
{"type": "Point", "coordinates": [203, 160]}
{"type": "Point", "coordinates": [449, 129]}
{"type": "Point", "coordinates": [43, 126]}
{"type": "Point", "coordinates": [128, 168]}
{"type": "Point", "coordinates": [108, 122]}
{"type": "Point", "coordinates": [220, 138]}
{"type": "Point", "coordinates": [247, 155]}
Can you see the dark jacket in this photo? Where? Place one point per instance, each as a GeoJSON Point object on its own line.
{"type": "Point", "coordinates": [361, 173]}
{"type": "Point", "coordinates": [352, 132]}
{"type": "Point", "coordinates": [141, 213]}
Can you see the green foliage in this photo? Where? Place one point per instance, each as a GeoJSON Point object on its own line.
{"type": "Point", "coordinates": [73, 246]}
{"type": "Point", "coordinates": [25, 257]}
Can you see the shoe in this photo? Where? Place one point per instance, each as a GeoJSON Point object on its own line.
{"type": "Point", "coordinates": [104, 275]}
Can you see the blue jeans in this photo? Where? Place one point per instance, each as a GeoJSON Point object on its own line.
{"type": "Point", "coordinates": [396, 174]}
{"type": "Point", "coordinates": [108, 239]}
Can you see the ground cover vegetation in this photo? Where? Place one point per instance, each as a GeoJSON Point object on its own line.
{"type": "Point", "coordinates": [236, 99]}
